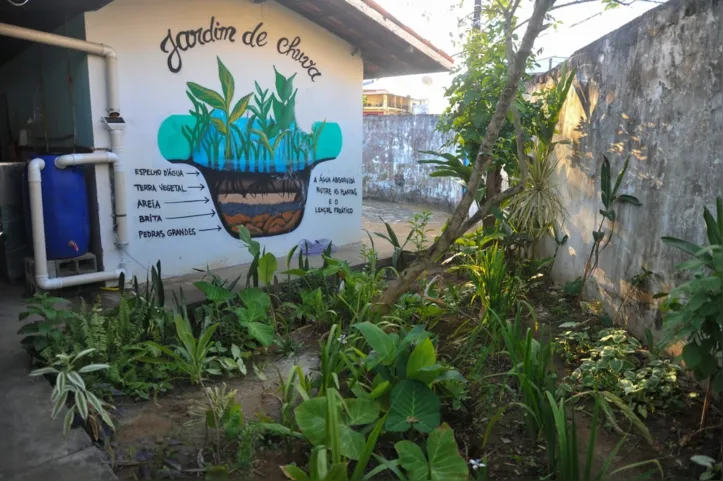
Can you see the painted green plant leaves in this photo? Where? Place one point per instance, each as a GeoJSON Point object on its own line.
{"type": "Point", "coordinates": [222, 103]}
{"type": "Point", "coordinates": [257, 132]}
{"type": "Point", "coordinates": [442, 461]}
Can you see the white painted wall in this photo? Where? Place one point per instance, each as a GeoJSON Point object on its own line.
{"type": "Point", "coordinates": [150, 92]}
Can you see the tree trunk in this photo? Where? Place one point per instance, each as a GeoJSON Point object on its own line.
{"type": "Point", "coordinates": [458, 224]}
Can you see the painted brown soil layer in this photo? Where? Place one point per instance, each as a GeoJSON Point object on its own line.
{"type": "Point", "coordinates": [265, 224]}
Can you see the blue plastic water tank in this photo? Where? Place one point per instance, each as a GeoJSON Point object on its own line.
{"type": "Point", "coordinates": [65, 210]}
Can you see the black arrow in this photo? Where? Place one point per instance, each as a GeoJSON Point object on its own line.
{"type": "Point", "coordinates": [196, 187]}
{"type": "Point", "coordinates": [212, 214]}
{"type": "Point", "coordinates": [217, 228]}
{"type": "Point", "coordinates": [205, 200]}
{"type": "Point", "coordinates": [193, 173]}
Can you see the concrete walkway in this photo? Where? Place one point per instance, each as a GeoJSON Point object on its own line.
{"type": "Point", "coordinates": [32, 447]}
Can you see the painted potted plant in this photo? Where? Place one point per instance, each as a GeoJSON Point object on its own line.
{"type": "Point", "coordinates": [256, 161]}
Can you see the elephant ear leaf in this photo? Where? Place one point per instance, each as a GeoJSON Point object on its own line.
{"type": "Point", "coordinates": [412, 460]}
{"type": "Point", "coordinates": [445, 462]}
{"type": "Point", "coordinates": [442, 463]}
{"type": "Point", "coordinates": [413, 405]}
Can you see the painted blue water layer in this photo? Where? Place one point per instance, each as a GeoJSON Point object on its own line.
{"type": "Point", "coordinates": [251, 151]}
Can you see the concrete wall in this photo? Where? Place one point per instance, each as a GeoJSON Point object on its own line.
{"type": "Point", "coordinates": [391, 152]}
{"type": "Point", "coordinates": [654, 90]}
{"type": "Point", "coordinates": [46, 92]}
{"type": "Point", "coordinates": [178, 226]}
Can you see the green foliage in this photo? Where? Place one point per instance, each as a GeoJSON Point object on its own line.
{"type": "Point", "coordinates": [473, 96]}
{"type": "Point", "coordinates": [328, 420]}
{"type": "Point", "coordinates": [398, 260]}
{"type": "Point", "coordinates": [192, 356]}
{"type": "Point", "coordinates": [69, 381]}
{"type": "Point", "coordinates": [532, 366]}
{"type": "Point", "coordinates": [115, 336]}
{"type": "Point", "coordinates": [264, 264]}
{"type": "Point", "coordinates": [538, 207]}
{"type": "Point", "coordinates": [713, 470]}
{"type": "Point", "coordinates": [48, 331]}
{"type": "Point", "coordinates": [568, 466]}
{"type": "Point", "coordinates": [612, 362]}
{"type": "Point", "coordinates": [442, 461]}
{"type": "Point", "coordinates": [610, 197]}
{"type": "Point", "coordinates": [413, 405]}
{"type": "Point", "coordinates": [695, 308]}
{"type": "Point", "coordinates": [256, 304]}
{"type": "Point", "coordinates": [408, 367]}
{"type": "Point", "coordinates": [419, 231]}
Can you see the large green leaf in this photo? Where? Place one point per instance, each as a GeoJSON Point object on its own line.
{"type": "Point", "coordinates": [352, 442]}
{"type": "Point", "coordinates": [413, 404]}
{"type": "Point", "coordinates": [257, 303]}
{"type": "Point", "coordinates": [262, 333]}
{"type": "Point", "coordinates": [207, 95]}
{"type": "Point", "coordinates": [214, 293]}
{"type": "Point", "coordinates": [361, 411]}
{"type": "Point", "coordinates": [445, 462]}
{"type": "Point", "coordinates": [379, 340]}
{"type": "Point", "coordinates": [267, 268]}
{"type": "Point", "coordinates": [692, 355]}
{"type": "Point", "coordinates": [413, 460]}
{"type": "Point", "coordinates": [423, 356]}
{"type": "Point", "coordinates": [227, 82]}
{"type": "Point", "coordinates": [311, 419]}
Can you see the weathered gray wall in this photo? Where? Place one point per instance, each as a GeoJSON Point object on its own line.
{"type": "Point", "coordinates": [391, 152]}
{"type": "Point", "coordinates": [652, 89]}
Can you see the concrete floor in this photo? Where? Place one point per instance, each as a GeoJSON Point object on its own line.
{"type": "Point", "coordinates": [32, 447]}
{"type": "Point", "coordinates": [375, 213]}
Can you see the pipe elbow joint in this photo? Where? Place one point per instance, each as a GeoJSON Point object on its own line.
{"type": "Point", "coordinates": [108, 52]}
{"type": "Point", "coordinates": [34, 168]}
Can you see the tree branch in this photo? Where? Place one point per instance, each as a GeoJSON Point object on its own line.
{"type": "Point", "coordinates": [482, 160]}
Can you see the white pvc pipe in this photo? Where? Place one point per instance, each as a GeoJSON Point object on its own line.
{"type": "Point", "coordinates": [111, 59]}
{"type": "Point", "coordinates": [119, 182]}
{"type": "Point", "coordinates": [36, 165]}
{"type": "Point", "coordinates": [42, 280]}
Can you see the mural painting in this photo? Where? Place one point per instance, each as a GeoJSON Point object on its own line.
{"type": "Point", "coordinates": [255, 159]}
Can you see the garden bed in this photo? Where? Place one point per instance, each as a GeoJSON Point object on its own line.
{"type": "Point", "coordinates": [264, 375]}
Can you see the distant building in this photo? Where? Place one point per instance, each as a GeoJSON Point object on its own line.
{"type": "Point", "coordinates": [383, 102]}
